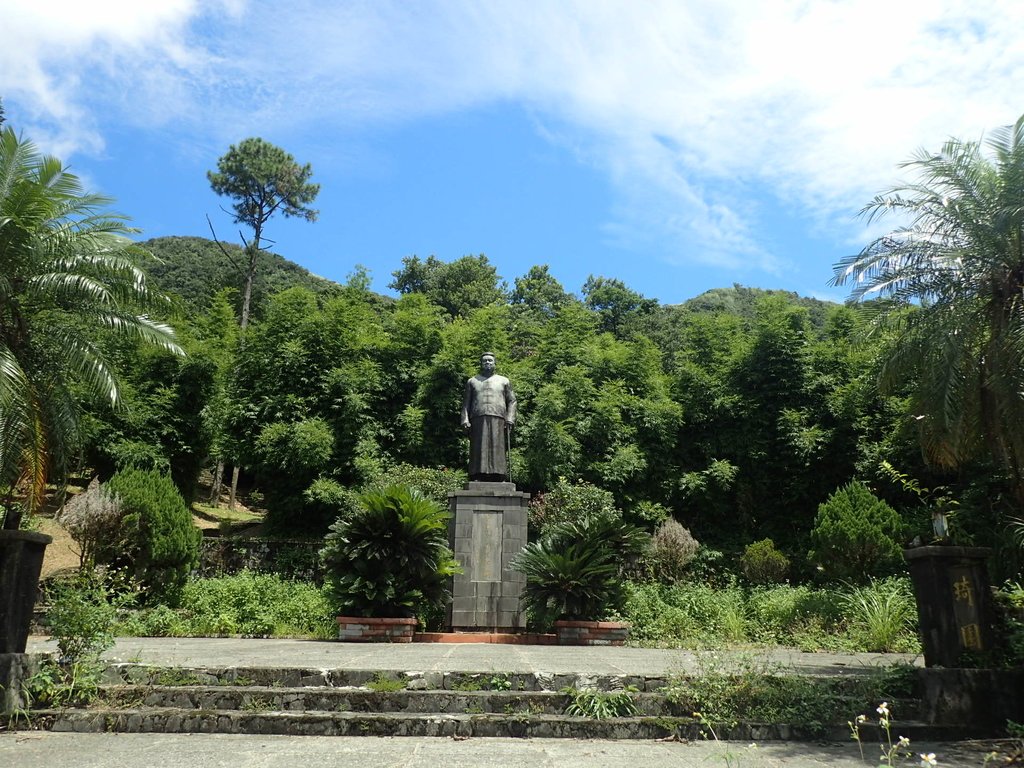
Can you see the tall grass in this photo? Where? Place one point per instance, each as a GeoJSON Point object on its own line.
{"type": "Point", "coordinates": [880, 616]}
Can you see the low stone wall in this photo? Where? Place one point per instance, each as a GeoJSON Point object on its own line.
{"type": "Point", "coordinates": [358, 629]}
{"type": "Point", "coordinates": [591, 632]}
{"type": "Point", "coordinates": [297, 560]}
{"type": "Point", "coordinates": [986, 698]}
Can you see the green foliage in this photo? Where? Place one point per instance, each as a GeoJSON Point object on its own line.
{"type": "Point", "coordinates": [760, 693]}
{"type": "Point", "coordinates": [855, 534]}
{"type": "Point", "coordinates": [599, 705]}
{"type": "Point", "coordinates": [672, 550]}
{"type": "Point", "coordinates": [617, 306]}
{"type": "Point", "coordinates": [381, 683]}
{"type": "Point", "coordinates": [391, 558]}
{"type": "Point", "coordinates": [291, 456]}
{"type": "Point", "coordinates": [959, 267]}
{"type": "Point", "coordinates": [762, 563]}
{"type": "Point", "coordinates": [882, 615]}
{"type": "Point", "coordinates": [459, 287]}
{"type": "Point", "coordinates": [80, 617]}
{"type": "Point", "coordinates": [699, 616]}
{"type": "Point", "coordinates": [247, 603]}
{"type": "Point", "coordinates": [255, 604]}
{"type": "Point", "coordinates": [196, 269]}
{"type": "Point", "coordinates": [70, 274]}
{"type": "Point", "coordinates": [575, 570]}
{"type": "Point", "coordinates": [569, 503]}
{"type": "Point", "coordinates": [326, 499]}
{"type": "Point", "coordinates": [156, 539]}
{"type": "Point", "coordinates": [433, 483]}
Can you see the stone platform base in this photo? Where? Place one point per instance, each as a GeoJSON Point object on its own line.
{"type": "Point", "coordinates": [499, 638]}
{"type": "Point", "coordinates": [358, 629]}
{"type": "Point", "coordinates": [591, 632]}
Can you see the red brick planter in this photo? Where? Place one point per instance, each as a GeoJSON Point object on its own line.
{"type": "Point", "coordinates": [591, 632]}
{"type": "Point", "coordinates": [359, 629]}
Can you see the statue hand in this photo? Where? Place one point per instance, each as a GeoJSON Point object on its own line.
{"type": "Point", "coordinates": [465, 424]}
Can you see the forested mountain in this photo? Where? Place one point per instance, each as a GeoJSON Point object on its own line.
{"type": "Point", "coordinates": [737, 413]}
{"type": "Point", "coordinates": [195, 268]}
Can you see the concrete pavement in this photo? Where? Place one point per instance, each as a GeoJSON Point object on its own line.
{"type": "Point", "coordinates": [68, 750]}
{"type": "Point", "coordinates": [473, 657]}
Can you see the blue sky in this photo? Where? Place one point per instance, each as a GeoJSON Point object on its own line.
{"type": "Point", "coordinates": [678, 146]}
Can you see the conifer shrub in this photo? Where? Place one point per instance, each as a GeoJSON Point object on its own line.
{"type": "Point", "coordinates": [762, 563]}
{"type": "Point", "coordinates": [673, 548]}
{"type": "Point", "coordinates": [155, 540]}
{"type": "Point", "coordinates": [856, 535]}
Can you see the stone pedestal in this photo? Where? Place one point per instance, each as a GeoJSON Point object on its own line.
{"type": "Point", "coordinates": [486, 531]}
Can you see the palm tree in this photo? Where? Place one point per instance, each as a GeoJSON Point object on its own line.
{"type": "Point", "coordinates": [951, 280]}
{"type": "Point", "coordinates": [67, 270]}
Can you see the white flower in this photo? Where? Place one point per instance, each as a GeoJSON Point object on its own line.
{"type": "Point", "coordinates": [928, 760]}
{"type": "Point", "coordinates": [903, 742]}
{"type": "Point", "coordinates": [883, 709]}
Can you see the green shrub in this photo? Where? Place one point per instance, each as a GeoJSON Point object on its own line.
{"type": "Point", "coordinates": [569, 503]}
{"type": "Point", "coordinates": [290, 456]}
{"type": "Point", "coordinates": [672, 550]}
{"type": "Point", "coordinates": [855, 535]}
{"type": "Point", "coordinates": [255, 604]}
{"type": "Point", "coordinates": [326, 500]}
{"type": "Point", "coordinates": [247, 603]}
{"type": "Point", "coordinates": [762, 563]}
{"type": "Point", "coordinates": [654, 622]}
{"type": "Point", "coordinates": [80, 617]}
{"type": "Point", "coordinates": [391, 558]}
{"type": "Point", "coordinates": [435, 484]}
{"type": "Point", "coordinates": [156, 540]}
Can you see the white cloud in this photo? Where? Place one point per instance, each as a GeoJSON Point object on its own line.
{"type": "Point", "coordinates": [685, 106]}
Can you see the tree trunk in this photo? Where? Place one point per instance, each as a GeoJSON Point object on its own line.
{"type": "Point", "coordinates": [234, 486]}
{"type": "Point", "coordinates": [218, 482]}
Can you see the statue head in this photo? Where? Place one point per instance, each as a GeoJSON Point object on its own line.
{"type": "Point", "coordinates": [487, 363]}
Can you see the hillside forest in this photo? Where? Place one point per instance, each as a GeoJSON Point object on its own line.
{"type": "Point", "coordinates": [737, 413]}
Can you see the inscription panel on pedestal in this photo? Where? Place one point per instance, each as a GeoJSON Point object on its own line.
{"type": "Point", "coordinates": [486, 562]}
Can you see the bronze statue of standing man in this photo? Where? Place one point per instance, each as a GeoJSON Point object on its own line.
{"type": "Point", "coordinates": [489, 413]}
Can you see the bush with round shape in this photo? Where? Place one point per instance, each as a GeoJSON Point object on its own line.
{"type": "Point", "coordinates": [856, 535]}
{"type": "Point", "coordinates": [390, 558]}
{"type": "Point", "coordinates": [762, 563]}
{"type": "Point", "coordinates": [156, 540]}
{"type": "Point", "coordinates": [672, 550]}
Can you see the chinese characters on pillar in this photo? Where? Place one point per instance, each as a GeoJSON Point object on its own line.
{"type": "Point", "coordinates": [965, 609]}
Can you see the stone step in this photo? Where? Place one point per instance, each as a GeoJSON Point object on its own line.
{"type": "Point", "coordinates": [341, 678]}
{"type": "Point", "coordinates": [313, 723]}
{"type": "Point", "coordinates": [307, 698]}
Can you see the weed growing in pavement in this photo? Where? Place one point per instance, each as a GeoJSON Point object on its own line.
{"type": "Point", "coordinates": [381, 683]}
{"type": "Point", "coordinates": [599, 705]}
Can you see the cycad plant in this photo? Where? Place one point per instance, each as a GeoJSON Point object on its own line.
{"type": "Point", "coordinates": [68, 273]}
{"type": "Point", "coordinates": [575, 570]}
{"type": "Point", "coordinates": [390, 558]}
